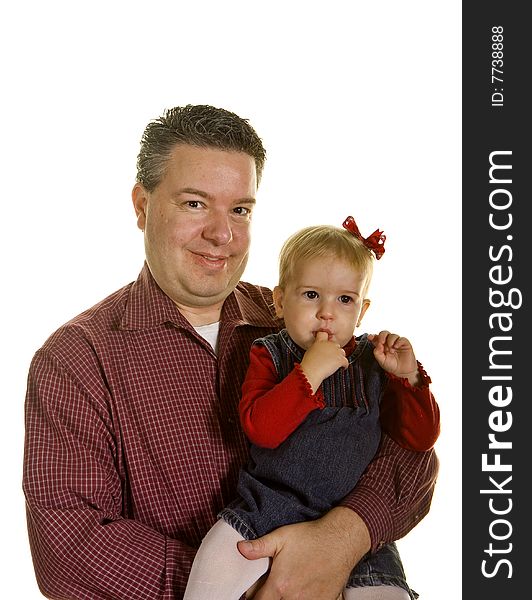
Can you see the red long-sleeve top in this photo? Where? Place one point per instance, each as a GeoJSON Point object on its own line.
{"type": "Point", "coordinates": [270, 410]}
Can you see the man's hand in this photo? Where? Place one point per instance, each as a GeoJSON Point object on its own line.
{"type": "Point", "coordinates": [322, 359]}
{"type": "Point", "coordinates": [311, 559]}
{"type": "Point", "coordinates": [395, 355]}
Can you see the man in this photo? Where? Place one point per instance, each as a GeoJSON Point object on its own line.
{"type": "Point", "coordinates": [132, 438]}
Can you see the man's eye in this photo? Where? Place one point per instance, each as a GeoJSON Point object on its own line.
{"type": "Point", "coordinates": [193, 203]}
{"type": "Point", "coordinates": [346, 299]}
{"type": "Point", "coordinates": [311, 295]}
{"type": "Point", "coordinates": [242, 211]}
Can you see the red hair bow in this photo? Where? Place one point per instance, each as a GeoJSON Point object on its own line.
{"type": "Point", "coordinates": [375, 242]}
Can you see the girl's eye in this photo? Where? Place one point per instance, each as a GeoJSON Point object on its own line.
{"type": "Point", "coordinates": [311, 295]}
{"type": "Point", "coordinates": [346, 299]}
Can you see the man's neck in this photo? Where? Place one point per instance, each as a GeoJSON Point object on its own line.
{"type": "Point", "coordinates": [201, 315]}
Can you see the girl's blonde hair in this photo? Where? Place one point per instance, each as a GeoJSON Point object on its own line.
{"type": "Point", "coordinates": [324, 241]}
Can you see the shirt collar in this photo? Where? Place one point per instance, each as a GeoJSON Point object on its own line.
{"type": "Point", "coordinates": [242, 309]}
{"type": "Point", "coordinates": [148, 306]}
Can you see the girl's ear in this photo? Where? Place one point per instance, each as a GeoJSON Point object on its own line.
{"type": "Point", "coordinates": [365, 305]}
{"type": "Point", "coordinates": [278, 301]}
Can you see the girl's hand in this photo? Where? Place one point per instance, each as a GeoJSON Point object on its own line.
{"type": "Point", "coordinates": [322, 359]}
{"type": "Point", "coordinates": [395, 355]}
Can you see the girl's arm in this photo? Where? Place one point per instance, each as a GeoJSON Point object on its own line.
{"type": "Point", "coordinates": [270, 410]}
{"type": "Point", "coordinates": [410, 414]}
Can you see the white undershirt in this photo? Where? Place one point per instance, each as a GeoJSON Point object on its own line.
{"type": "Point", "coordinates": [210, 333]}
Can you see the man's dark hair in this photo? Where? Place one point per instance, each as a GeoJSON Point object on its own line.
{"type": "Point", "coordinates": [195, 125]}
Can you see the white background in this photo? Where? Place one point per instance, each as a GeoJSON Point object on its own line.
{"type": "Point", "coordinates": [358, 105]}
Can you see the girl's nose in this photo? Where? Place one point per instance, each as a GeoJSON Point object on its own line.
{"type": "Point", "coordinates": [325, 312]}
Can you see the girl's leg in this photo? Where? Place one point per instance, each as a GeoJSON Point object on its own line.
{"type": "Point", "coordinates": [219, 571]}
{"type": "Point", "coordinates": [376, 592]}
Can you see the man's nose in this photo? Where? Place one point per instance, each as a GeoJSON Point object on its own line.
{"type": "Point", "coordinates": [218, 229]}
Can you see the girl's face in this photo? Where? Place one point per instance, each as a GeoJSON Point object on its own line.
{"type": "Point", "coordinates": [324, 294]}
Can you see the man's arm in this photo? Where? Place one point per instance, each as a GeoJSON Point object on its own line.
{"type": "Point", "coordinates": [395, 492]}
{"type": "Point", "coordinates": [313, 559]}
{"type": "Point", "coordinates": [82, 546]}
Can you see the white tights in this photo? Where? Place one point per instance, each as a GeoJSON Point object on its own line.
{"type": "Point", "coordinates": [220, 572]}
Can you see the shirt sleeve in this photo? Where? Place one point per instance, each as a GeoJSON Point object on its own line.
{"type": "Point", "coordinates": [81, 544]}
{"type": "Point", "coordinates": [410, 414]}
{"type": "Point", "coordinates": [270, 410]}
{"type": "Point", "coordinates": [394, 492]}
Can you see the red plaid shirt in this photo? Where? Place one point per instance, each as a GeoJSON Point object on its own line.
{"type": "Point", "coordinates": [133, 446]}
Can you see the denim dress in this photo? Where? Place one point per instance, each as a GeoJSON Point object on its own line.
{"type": "Point", "coordinates": [321, 461]}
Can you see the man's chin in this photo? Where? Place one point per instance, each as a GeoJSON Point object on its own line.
{"type": "Point", "coordinates": [203, 288]}
{"type": "Point", "coordinates": [208, 293]}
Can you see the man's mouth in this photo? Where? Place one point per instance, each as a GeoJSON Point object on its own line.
{"type": "Point", "coordinates": [211, 260]}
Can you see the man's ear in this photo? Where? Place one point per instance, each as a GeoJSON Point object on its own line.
{"type": "Point", "coordinates": [278, 297]}
{"type": "Point", "coordinates": [139, 195]}
{"type": "Point", "coordinates": [365, 305]}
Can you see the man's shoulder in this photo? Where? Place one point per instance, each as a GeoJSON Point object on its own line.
{"type": "Point", "coordinates": [95, 322]}
{"type": "Point", "coordinates": [259, 294]}
{"type": "Point", "coordinates": [252, 304]}
{"type": "Point", "coordinates": [106, 313]}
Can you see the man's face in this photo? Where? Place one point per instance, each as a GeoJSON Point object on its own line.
{"type": "Point", "coordinates": [196, 224]}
